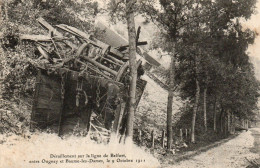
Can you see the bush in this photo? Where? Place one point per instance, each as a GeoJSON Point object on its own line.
{"type": "Point", "coordinates": [20, 18]}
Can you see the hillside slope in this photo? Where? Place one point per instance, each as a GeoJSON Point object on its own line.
{"type": "Point", "coordinates": [151, 112]}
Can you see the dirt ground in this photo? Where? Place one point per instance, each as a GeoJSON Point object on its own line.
{"type": "Point", "coordinates": [256, 148]}
{"type": "Point", "coordinates": [231, 154]}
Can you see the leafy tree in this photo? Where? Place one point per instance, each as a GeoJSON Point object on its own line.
{"type": "Point", "coordinates": [173, 16]}
{"type": "Point", "coordinates": [221, 49]}
{"type": "Point", "coordinates": [198, 31]}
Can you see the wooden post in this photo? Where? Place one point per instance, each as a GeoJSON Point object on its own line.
{"type": "Point", "coordinates": [152, 135]}
{"type": "Point", "coordinates": [231, 123]}
{"type": "Point", "coordinates": [140, 136]}
{"type": "Point", "coordinates": [181, 138]}
{"type": "Point", "coordinates": [1, 115]}
{"type": "Point", "coordinates": [205, 107]}
{"type": "Point", "coordinates": [163, 136]}
{"type": "Point", "coordinates": [186, 133]}
{"type": "Point", "coordinates": [228, 121]}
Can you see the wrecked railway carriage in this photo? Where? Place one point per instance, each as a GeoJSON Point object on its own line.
{"type": "Point", "coordinates": [82, 83]}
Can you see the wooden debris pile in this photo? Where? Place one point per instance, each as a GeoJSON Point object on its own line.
{"type": "Point", "coordinates": [65, 44]}
{"type": "Point", "coordinates": [91, 78]}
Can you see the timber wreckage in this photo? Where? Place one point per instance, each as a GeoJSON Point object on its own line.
{"type": "Point", "coordinates": [82, 83]}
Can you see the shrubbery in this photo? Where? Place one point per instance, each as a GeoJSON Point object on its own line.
{"type": "Point", "coordinates": [19, 17]}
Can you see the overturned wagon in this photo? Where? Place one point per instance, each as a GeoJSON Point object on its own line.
{"type": "Point", "coordinates": [82, 86]}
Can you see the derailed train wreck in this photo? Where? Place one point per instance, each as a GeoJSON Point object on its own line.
{"type": "Point", "coordinates": [82, 83]}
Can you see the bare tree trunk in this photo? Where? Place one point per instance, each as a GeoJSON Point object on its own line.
{"type": "Point", "coordinates": [163, 135]}
{"type": "Point", "coordinates": [1, 16]}
{"type": "Point", "coordinates": [169, 120]}
{"type": "Point", "coordinates": [228, 121]}
{"type": "Point", "coordinates": [221, 123]}
{"type": "Point", "coordinates": [195, 107]}
{"type": "Point", "coordinates": [225, 124]}
{"type": "Point", "coordinates": [181, 135]}
{"type": "Point", "coordinates": [132, 64]}
{"type": "Point", "coordinates": [221, 118]}
{"type": "Point", "coordinates": [232, 123]}
{"type": "Point", "coordinates": [205, 108]}
{"type": "Point", "coordinates": [215, 115]}
{"type": "Point", "coordinates": [169, 104]}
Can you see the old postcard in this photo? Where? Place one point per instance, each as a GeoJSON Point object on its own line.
{"type": "Point", "coordinates": [135, 83]}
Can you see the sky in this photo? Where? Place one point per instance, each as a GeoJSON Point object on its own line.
{"type": "Point", "coordinates": [254, 50]}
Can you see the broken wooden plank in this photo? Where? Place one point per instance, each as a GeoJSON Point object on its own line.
{"type": "Point", "coordinates": [73, 31]}
{"type": "Point", "coordinates": [43, 53]}
{"type": "Point", "coordinates": [83, 35]}
{"type": "Point", "coordinates": [49, 27]}
{"type": "Point", "coordinates": [35, 37]}
{"type": "Point", "coordinates": [41, 38]}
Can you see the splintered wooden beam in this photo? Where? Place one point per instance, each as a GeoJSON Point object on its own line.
{"type": "Point", "coordinates": [99, 65]}
{"type": "Point", "coordinates": [49, 27]}
{"type": "Point", "coordinates": [73, 30]}
{"type": "Point", "coordinates": [35, 37]}
{"type": "Point", "coordinates": [152, 135]}
{"type": "Point", "coordinates": [78, 33]}
{"type": "Point", "coordinates": [43, 53]}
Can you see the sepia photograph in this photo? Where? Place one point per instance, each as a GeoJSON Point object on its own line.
{"type": "Point", "coordinates": [129, 83]}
